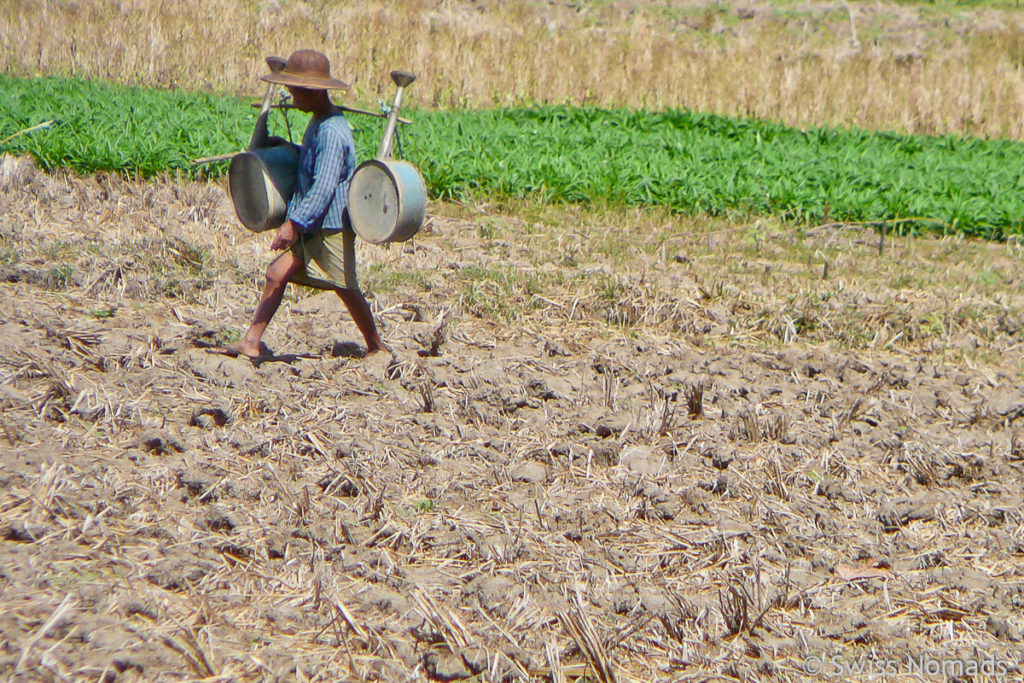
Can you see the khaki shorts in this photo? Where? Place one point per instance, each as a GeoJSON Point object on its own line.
{"type": "Point", "coordinates": [330, 258]}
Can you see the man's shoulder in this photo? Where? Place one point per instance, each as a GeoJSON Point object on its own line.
{"type": "Point", "coordinates": [336, 125]}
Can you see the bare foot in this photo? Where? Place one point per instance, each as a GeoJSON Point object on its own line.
{"type": "Point", "coordinates": [376, 348]}
{"type": "Point", "coordinates": [241, 348]}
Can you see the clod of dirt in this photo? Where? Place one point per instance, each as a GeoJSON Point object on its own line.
{"type": "Point", "coordinates": [657, 503]}
{"type": "Point", "coordinates": [1016, 446]}
{"type": "Point", "coordinates": [175, 575]}
{"type": "Point", "coordinates": [386, 601]}
{"type": "Point", "coordinates": [210, 416]}
{"type": "Point", "coordinates": [504, 400]}
{"type": "Point", "coordinates": [433, 342]}
{"type": "Point", "coordinates": [836, 625]}
{"type": "Point", "coordinates": [24, 532]}
{"type": "Point", "coordinates": [9, 274]}
{"type": "Point", "coordinates": [283, 617]}
{"type": "Point", "coordinates": [222, 371]}
{"type": "Point", "coordinates": [553, 348]}
{"type": "Point", "coordinates": [476, 659]}
{"type": "Point", "coordinates": [549, 388]}
{"type": "Point", "coordinates": [1001, 629]}
{"type": "Point", "coordinates": [603, 424]}
{"type": "Point", "coordinates": [501, 548]}
{"type": "Point", "coordinates": [719, 457]}
{"type": "Point", "coordinates": [125, 663]}
{"type": "Point", "coordinates": [642, 460]}
{"type": "Point", "coordinates": [897, 514]}
{"type": "Point", "coordinates": [317, 534]}
{"type": "Point", "coordinates": [445, 666]}
{"type": "Point", "coordinates": [236, 550]}
{"type": "Point", "coordinates": [653, 600]}
{"type": "Point", "coordinates": [530, 472]}
{"type": "Point", "coordinates": [205, 336]}
{"type": "Point", "coordinates": [221, 520]}
{"type": "Point", "coordinates": [161, 443]}
{"type": "Point", "coordinates": [196, 483]}
{"type": "Point", "coordinates": [277, 547]}
{"type": "Point", "coordinates": [495, 593]}
{"type": "Point", "coordinates": [337, 484]}
{"type": "Point", "coordinates": [811, 370]}
{"type": "Point", "coordinates": [719, 486]}
{"type": "Point", "coordinates": [133, 607]}
{"type": "Point", "coordinates": [624, 599]}
{"type": "Point", "coordinates": [605, 453]}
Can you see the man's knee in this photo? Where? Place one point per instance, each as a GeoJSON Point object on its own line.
{"type": "Point", "coordinates": [282, 270]}
{"type": "Point", "coordinates": [275, 276]}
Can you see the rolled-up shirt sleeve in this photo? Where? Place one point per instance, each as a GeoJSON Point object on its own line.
{"type": "Point", "coordinates": [327, 172]}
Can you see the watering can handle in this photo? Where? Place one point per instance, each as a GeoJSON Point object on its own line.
{"type": "Point", "coordinates": [260, 132]}
{"type": "Point", "coordinates": [401, 79]}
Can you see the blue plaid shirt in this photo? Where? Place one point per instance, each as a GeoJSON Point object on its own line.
{"type": "Point", "coordinates": [327, 159]}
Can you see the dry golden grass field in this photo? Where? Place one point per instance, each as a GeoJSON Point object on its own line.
{"type": "Point", "coordinates": [609, 445]}
{"type": "Point", "coordinates": [919, 67]}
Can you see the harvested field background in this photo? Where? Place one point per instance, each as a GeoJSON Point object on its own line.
{"type": "Point", "coordinates": [608, 444]}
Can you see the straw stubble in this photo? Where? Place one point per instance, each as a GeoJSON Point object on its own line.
{"type": "Point", "coordinates": [551, 514]}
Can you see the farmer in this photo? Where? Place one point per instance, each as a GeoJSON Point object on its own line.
{"type": "Point", "coordinates": [317, 236]}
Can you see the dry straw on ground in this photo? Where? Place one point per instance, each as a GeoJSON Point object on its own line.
{"type": "Point", "coordinates": [644, 448]}
{"type": "Point", "coordinates": [919, 68]}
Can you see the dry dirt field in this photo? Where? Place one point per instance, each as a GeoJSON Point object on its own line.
{"type": "Point", "coordinates": [609, 446]}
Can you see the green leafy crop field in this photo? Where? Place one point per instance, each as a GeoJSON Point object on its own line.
{"type": "Point", "coordinates": [695, 162]}
{"type": "Point", "coordinates": [685, 161]}
{"type": "Point", "coordinates": [101, 127]}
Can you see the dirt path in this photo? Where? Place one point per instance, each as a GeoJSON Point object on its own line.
{"type": "Point", "coordinates": [544, 497]}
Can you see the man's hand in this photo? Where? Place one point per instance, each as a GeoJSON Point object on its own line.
{"type": "Point", "coordinates": [285, 237]}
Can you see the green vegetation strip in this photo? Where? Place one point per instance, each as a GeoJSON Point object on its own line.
{"type": "Point", "coordinates": [686, 161]}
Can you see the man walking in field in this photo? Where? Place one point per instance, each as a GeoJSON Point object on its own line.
{"type": "Point", "coordinates": [317, 235]}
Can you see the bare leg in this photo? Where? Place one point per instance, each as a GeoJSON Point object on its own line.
{"type": "Point", "coordinates": [279, 274]}
{"type": "Point", "coordinates": [360, 311]}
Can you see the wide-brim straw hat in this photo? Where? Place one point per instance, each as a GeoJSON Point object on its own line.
{"type": "Point", "coordinates": [307, 69]}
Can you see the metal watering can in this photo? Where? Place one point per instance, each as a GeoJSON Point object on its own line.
{"type": "Point", "coordinates": [261, 179]}
{"type": "Point", "coordinates": [387, 198]}
{"type": "Point", "coordinates": [260, 183]}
